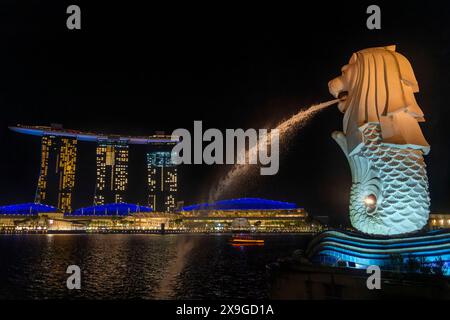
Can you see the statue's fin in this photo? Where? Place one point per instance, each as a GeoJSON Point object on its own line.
{"type": "Point", "coordinates": [339, 137]}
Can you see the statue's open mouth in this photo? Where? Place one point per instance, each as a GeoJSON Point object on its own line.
{"type": "Point", "coordinates": [342, 96]}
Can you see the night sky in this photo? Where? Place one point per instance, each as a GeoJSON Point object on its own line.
{"type": "Point", "coordinates": [136, 70]}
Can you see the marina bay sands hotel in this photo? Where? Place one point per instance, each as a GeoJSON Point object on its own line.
{"type": "Point", "coordinates": [58, 167]}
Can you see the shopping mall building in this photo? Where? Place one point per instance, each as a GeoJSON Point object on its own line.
{"type": "Point", "coordinates": [246, 214]}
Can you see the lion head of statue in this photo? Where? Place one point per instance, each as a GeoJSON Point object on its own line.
{"type": "Point", "coordinates": [376, 84]}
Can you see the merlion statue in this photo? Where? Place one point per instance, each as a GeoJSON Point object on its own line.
{"type": "Point", "coordinates": [383, 142]}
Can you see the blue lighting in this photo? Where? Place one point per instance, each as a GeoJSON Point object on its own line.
{"type": "Point", "coordinates": [26, 209]}
{"type": "Point", "coordinates": [160, 159]}
{"type": "Point", "coordinates": [112, 209]}
{"type": "Point", "coordinates": [243, 204]}
{"type": "Point", "coordinates": [333, 246]}
{"type": "Point", "coordinates": [388, 245]}
{"type": "Point", "coordinates": [90, 136]}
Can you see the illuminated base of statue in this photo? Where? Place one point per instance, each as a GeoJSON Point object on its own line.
{"type": "Point", "coordinates": [427, 252]}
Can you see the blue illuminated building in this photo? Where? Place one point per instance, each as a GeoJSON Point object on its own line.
{"type": "Point", "coordinates": [112, 209]}
{"type": "Point", "coordinates": [24, 209]}
{"type": "Point", "coordinates": [243, 204]}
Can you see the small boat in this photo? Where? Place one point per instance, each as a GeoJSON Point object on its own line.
{"type": "Point", "coordinates": [245, 240]}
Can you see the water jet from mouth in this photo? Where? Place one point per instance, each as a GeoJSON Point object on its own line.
{"type": "Point", "coordinates": [286, 129]}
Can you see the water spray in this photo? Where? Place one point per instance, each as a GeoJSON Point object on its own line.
{"type": "Point", "coordinates": [286, 128]}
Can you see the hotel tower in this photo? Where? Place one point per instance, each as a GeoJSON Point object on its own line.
{"type": "Point", "coordinates": [162, 181]}
{"type": "Point", "coordinates": [57, 172]}
{"type": "Point", "coordinates": [112, 172]}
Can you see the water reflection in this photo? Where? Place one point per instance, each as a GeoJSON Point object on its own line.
{"type": "Point", "coordinates": [137, 266]}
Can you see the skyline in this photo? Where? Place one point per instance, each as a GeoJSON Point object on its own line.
{"type": "Point", "coordinates": [58, 168]}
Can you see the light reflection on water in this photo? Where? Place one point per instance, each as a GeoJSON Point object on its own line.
{"type": "Point", "coordinates": [138, 266]}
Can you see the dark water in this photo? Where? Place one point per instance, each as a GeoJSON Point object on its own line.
{"type": "Point", "coordinates": [138, 266]}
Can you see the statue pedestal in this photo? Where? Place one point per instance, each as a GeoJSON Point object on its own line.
{"type": "Point", "coordinates": [335, 262]}
{"type": "Point", "coordinates": [427, 252]}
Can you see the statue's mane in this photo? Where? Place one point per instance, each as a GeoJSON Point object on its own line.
{"type": "Point", "coordinates": [383, 84]}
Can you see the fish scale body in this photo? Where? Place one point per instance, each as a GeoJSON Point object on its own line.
{"type": "Point", "coordinates": [397, 178]}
